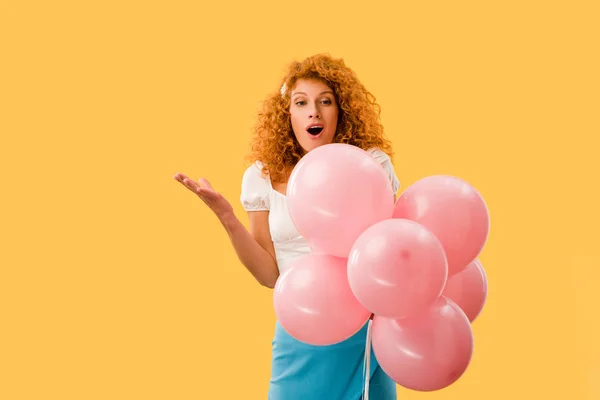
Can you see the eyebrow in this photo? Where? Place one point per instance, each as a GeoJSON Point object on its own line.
{"type": "Point", "coordinates": [327, 91]}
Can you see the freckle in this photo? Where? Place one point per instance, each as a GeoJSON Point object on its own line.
{"type": "Point", "coordinates": [405, 254]}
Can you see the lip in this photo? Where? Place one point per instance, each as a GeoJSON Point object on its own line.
{"type": "Point", "coordinates": [315, 124]}
{"type": "Point", "coordinates": [314, 137]}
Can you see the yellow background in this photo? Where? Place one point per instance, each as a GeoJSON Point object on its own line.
{"type": "Point", "coordinates": [116, 283]}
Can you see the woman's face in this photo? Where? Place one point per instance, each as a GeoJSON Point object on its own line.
{"type": "Point", "coordinates": [314, 113]}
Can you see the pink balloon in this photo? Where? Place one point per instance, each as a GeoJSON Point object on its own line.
{"type": "Point", "coordinates": [454, 211]}
{"type": "Point", "coordinates": [426, 352]}
{"type": "Point", "coordinates": [314, 303]}
{"type": "Point", "coordinates": [397, 268]}
{"type": "Point", "coordinates": [334, 193]}
{"type": "Point", "coordinates": [468, 289]}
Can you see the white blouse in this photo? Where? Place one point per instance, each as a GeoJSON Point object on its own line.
{"type": "Point", "coordinates": [259, 195]}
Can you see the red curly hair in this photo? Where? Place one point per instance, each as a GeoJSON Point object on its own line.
{"type": "Point", "coordinates": [274, 143]}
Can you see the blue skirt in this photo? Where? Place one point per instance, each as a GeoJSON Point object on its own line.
{"type": "Point", "coordinates": [301, 371]}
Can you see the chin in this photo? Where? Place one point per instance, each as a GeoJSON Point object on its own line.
{"type": "Point", "coordinates": [312, 146]}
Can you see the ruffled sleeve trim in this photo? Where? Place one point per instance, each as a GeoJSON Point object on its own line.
{"type": "Point", "coordinates": [256, 189]}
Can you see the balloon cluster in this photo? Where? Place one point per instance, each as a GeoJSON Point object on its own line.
{"type": "Point", "coordinates": [411, 263]}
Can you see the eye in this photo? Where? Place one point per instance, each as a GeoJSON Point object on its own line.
{"type": "Point", "coordinates": [300, 103]}
{"type": "Point", "coordinates": [326, 101]}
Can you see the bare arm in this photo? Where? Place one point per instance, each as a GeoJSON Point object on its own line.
{"type": "Point", "coordinates": [253, 247]}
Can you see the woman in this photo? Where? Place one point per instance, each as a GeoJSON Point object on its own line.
{"type": "Point", "coordinates": [321, 102]}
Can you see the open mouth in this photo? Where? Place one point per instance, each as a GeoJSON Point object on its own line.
{"type": "Point", "coordinates": [315, 130]}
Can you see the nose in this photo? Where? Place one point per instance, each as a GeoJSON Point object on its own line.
{"type": "Point", "coordinates": [314, 113]}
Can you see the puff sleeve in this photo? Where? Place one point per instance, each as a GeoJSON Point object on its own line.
{"type": "Point", "coordinates": [255, 189]}
{"type": "Point", "coordinates": [386, 163]}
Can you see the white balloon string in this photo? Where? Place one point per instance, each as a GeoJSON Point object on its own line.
{"type": "Point", "coordinates": [367, 362]}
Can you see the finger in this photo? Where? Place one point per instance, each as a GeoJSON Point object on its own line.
{"type": "Point", "coordinates": [190, 184]}
{"type": "Point", "coordinates": [187, 182]}
{"type": "Point", "coordinates": [205, 183]}
{"type": "Point", "coordinates": [179, 177]}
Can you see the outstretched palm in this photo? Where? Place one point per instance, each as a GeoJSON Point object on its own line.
{"type": "Point", "coordinates": [203, 189]}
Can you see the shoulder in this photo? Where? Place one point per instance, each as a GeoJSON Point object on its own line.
{"type": "Point", "coordinates": [256, 188]}
{"type": "Point", "coordinates": [379, 155]}
{"type": "Point", "coordinates": [253, 174]}
{"type": "Point", "coordinates": [385, 161]}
